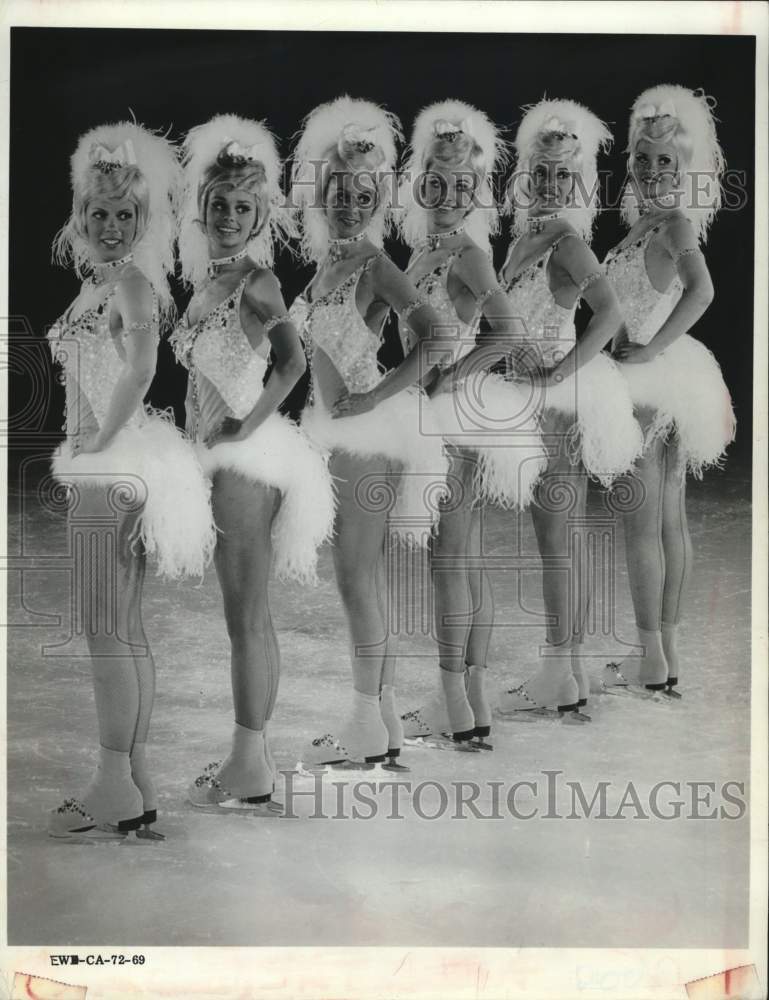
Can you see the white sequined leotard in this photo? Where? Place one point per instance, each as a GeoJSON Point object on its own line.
{"type": "Point", "coordinates": [550, 331]}
{"type": "Point", "coordinates": [226, 373]}
{"type": "Point", "coordinates": [645, 308]}
{"type": "Point", "coordinates": [595, 402]}
{"type": "Point", "coordinates": [334, 324]}
{"type": "Point", "coordinates": [92, 359]}
{"type": "Point", "coordinates": [147, 454]}
{"type": "Point", "coordinates": [483, 414]}
{"type": "Point", "coordinates": [433, 288]}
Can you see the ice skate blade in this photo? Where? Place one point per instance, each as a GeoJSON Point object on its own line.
{"type": "Point", "coordinates": [392, 765]}
{"type": "Point", "coordinates": [576, 718]}
{"type": "Point", "coordinates": [264, 810]}
{"type": "Point", "coordinates": [672, 694]}
{"type": "Point", "coordinates": [632, 691]}
{"type": "Point", "coordinates": [350, 770]}
{"type": "Point", "coordinates": [480, 743]}
{"type": "Point", "coordinates": [443, 742]}
{"type": "Point", "coordinates": [529, 715]}
{"type": "Point", "coordinates": [238, 807]}
{"type": "Point", "coordinates": [151, 835]}
{"type": "Point", "coordinates": [102, 834]}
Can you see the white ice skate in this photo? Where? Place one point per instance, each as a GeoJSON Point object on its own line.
{"type": "Point", "coordinates": [72, 823]}
{"type": "Point", "coordinates": [551, 694]}
{"type": "Point", "coordinates": [632, 680]}
{"type": "Point", "coordinates": [429, 726]}
{"type": "Point", "coordinates": [360, 748]}
{"type": "Point", "coordinates": [208, 794]}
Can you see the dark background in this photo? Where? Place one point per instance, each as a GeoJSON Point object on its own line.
{"type": "Point", "coordinates": [65, 81]}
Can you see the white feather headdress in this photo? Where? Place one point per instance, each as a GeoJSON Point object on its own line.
{"type": "Point", "coordinates": [685, 117]}
{"type": "Point", "coordinates": [322, 132]}
{"type": "Point", "coordinates": [592, 137]}
{"type": "Point", "coordinates": [155, 157]}
{"type": "Point", "coordinates": [483, 220]}
{"type": "Point", "coordinates": [201, 148]}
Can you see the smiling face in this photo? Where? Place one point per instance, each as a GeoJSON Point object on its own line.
{"type": "Point", "coordinates": [551, 184]}
{"type": "Point", "coordinates": [447, 196]}
{"type": "Point", "coordinates": [231, 216]}
{"type": "Point", "coordinates": [350, 202]}
{"type": "Point", "coordinates": [110, 227]}
{"type": "Point", "coordinates": [654, 166]}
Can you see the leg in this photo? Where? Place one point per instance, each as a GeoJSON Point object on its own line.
{"type": "Point", "coordinates": [450, 573]}
{"type": "Point", "coordinates": [358, 554]}
{"type": "Point", "coordinates": [388, 708]}
{"type": "Point", "coordinates": [109, 575]}
{"type": "Point", "coordinates": [482, 599]}
{"type": "Point", "coordinates": [677, 546]}
{"type": "Point", "coordinates": [646, 562]}
{"type": "Point", "coordinates": [450, 711]}
{"type": "Point", "coordinates": [558, 513]}
{"type": "Point", "coordinates": [244, 512]}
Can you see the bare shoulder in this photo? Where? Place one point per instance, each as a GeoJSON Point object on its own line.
{"type": "Point", "coordinates": [382, 267]}
{"type": "Point", "coordinates": [474, 266]}
{"type": "Point", "coordinates": [262, 286]}
{"type": "Point", "coordinates": [134, 288]}
{"type": "Point", "coordinates": [570, 248]}
{"type": "Point", "coordinates": [678, 233]}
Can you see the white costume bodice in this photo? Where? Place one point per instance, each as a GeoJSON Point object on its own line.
{"type": "Point", "coordinates": [644, 308]}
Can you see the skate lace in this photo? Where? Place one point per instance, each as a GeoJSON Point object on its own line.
{"type": "Point", "coordinates": [72, 805]}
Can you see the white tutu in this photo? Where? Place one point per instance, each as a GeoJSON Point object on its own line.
{"type": "Point", "coordinates": [684, 386]}
{"type": "Point", "coordinates": [402, 429]}
{"type": "Point", "coordinates": [153, 466]}
{"type": "Point", "coordinates": [605, 434]}
{"type": "Point", "coordinates": [278, 454]}
{"type": "Point", "coordinates": [494, 418]}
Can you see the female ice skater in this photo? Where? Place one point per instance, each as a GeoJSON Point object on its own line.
{"type": "Point", "coordinates": [135, 486]}
{"type": "Point", "coordinates": [586, 412]}
{"type": "Point", "coordinates": [272, 495]}
{"type": "Point", "coordinates": [663, 284]}
{"type": "Point", "coordinates": [448, 213]}
{"type": "Point", "coordinates": [379, 430]}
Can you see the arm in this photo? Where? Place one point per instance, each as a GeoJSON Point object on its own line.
{"type": "Point", "coordinates": [432, 348]}
{"type": "Point", "coordinates": [475, 270]}
{"type": "Point", "coordinates": [134, 302]}
{"type": "Point", "coordinates": [680, 241]}
{"type": "Point", "coordinates": [582, 266]}
{"type": "Point", "coordinates": [265, 303]}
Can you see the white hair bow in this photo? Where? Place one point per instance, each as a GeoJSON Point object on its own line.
{"type": "Point", "coordinates": [363, 139]}
{"type": "Point", "coordinates": [556, 125]}
{"type": "Point", "coordinates": [104, 159]}
{"type": "Point", "coordinates": [666, 109]}
{"type": "Point", "coordinates": [450, 130]}
{"type": "Point", "coordinates": [231, 147]}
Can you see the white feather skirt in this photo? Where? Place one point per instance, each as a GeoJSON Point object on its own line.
{"type": "Point", "coordinates": [403, 430]}
{"type": "Point", "coordinates": [279, 454]}
{"type": "Point", "coordinates": [684, 386]}
{"type": "Point", "coordinates": [152, 465]}
{"type": "Point", "coordinates": [494, 418]}
{"type": "Point", "coordinates": [605, 434]}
